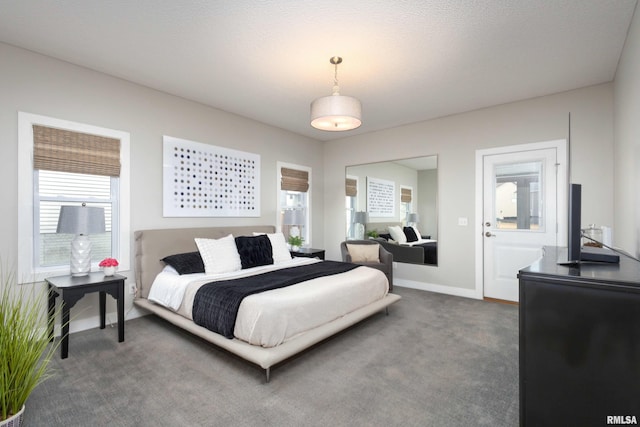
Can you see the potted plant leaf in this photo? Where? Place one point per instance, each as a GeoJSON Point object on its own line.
{"type": "Point", "coordinates": [25, 351]}
{"type": "Point", "coordinates": [295, 242]}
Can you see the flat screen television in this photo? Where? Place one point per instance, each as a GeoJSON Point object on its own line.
{"type": "Point", "coordinates": [575, 252]}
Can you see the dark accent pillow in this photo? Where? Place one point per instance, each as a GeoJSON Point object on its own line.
{"type": "Point", "coordinates": [254, 251]}
{"type": "Point", "coordinates": [385, 236]}
{"type": "Point", "coordinates": [186, 263]}
{"type": "Point", "coordinates": [411, 234]}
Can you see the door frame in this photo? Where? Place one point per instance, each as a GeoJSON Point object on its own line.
{"type": "Point", "coordinates": [562, 182]}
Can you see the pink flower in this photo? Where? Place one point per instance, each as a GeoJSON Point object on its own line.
{"type": "Point", "coordinates": [108, 262]}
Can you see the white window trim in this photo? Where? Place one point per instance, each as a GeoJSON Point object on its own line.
{"type": "Point", "coordinates": [279, 166]}
{"type": "Point", "coordinates": [26, 269]}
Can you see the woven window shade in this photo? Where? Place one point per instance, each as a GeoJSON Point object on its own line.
{"type": "Point", "coordinates": [294, 180]}
{"type": "Point", "coordinates": [405, 195]}
{"type": "Point", "coordinates": [67, 151]}
{"type": "Point", "coordinates": [351, 187]}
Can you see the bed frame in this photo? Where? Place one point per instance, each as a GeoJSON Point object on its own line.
{"type": "Point", "coordinates": [153, 245]}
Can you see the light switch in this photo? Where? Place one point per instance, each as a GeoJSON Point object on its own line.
{"type": "Point", "coordinates": [463, 221]}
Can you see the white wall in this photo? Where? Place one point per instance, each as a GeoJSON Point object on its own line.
{"type": "Point", "coordinates": [455, 140]}
{"type": "Point", "coordinates": [42, 85]}
{"type": "Point", "coordinates": [627, 142]}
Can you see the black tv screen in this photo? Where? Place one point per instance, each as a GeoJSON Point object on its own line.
{"type": "Point", "coordinates": [575, 253]}
{"type": "Point", "coordinates": [575, 213]}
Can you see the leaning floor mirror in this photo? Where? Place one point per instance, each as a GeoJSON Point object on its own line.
{"type": "Point", "coordinates": [396, 203]}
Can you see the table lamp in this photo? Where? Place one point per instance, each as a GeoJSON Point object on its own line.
{"type": "Point", "coordinates": [81, 221]}
{"type": "Point", "coordinates": [360, 218]}
{"type": "Point", "coordinates": [413, 219]}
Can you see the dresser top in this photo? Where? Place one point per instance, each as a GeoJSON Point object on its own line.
{"type": "Point", "coordinates": [626, 273]}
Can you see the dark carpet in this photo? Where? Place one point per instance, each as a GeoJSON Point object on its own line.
{"type": "Point", "coordinates": [435, 360]}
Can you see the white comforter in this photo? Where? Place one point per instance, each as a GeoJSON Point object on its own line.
{"type": "Point", "coordinates": [419, 242]}
{"type": "Point", "coordinates": [270, 318]}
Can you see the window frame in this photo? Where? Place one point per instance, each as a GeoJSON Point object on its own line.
{"type": "Point", "coordinates": [27, 270]}
{"type": "Point", "coordinates": [279, 166]}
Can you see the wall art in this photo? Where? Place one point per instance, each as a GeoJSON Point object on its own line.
{"type": "Point", "coordinates": [381, 197]}
{"type": "Point", "coordinates": [203, 180]}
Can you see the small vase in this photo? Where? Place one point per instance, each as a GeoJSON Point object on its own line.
{"type": "Point", "coordinates": [109, 271]}
{"type": "Point", "coordinates": [14, 420]}
{"type": "Point", "coordinates": [295, 248]}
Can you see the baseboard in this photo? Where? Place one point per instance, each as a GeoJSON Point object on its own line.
{"type": "Point", "coordinates": [432, 287]}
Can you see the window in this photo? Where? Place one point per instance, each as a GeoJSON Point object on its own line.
{"type": "Point", "coordinates": [46, 186]}
{"type": "Point", "coordinates": [405, 203]}
{"type": "Point", "coordinates": [54, 189]}
{"type": "Point", "coordinates": [351, 205]}
{"type": "Point", "coordinates": [294, 214]}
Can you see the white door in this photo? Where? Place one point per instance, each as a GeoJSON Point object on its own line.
{"type": "Point", "coordinates": [520, 193]}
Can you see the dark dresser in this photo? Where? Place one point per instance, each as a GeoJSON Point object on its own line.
{"type": "Point", "coordinates": [579, 343]}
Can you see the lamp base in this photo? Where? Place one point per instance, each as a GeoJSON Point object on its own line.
{"type": "Point", "coordinates": [80, 256]}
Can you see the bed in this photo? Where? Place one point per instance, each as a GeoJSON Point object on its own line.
{"type": "Point", "coordinates": [151, 246]}
{"type": "Point", "coordinates": [422, 251]}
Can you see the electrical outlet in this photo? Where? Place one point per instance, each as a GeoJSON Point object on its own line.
{"type": "Point", "coordinates": [132, 288]}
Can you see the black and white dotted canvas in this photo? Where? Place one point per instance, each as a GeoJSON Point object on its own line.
{"type": "Point", "coordinates": [206, 180]}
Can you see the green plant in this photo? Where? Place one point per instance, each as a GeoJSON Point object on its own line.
{"type": "Point", "coordinates": [25, 352]}
{"type": "Point", "coordinates": [295, 240]}
{"type": "Point", "coordinates": [372, 233]}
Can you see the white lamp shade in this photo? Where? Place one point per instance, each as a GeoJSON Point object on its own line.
{"type": "Point", "coordinates": [294, 217]}
{"type": "Point", "coordinates": [81, 220]}
{"type": "Point", "coordinates": [336, 113]}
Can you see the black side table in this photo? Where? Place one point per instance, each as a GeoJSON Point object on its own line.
{"type": "Point", "coordinates": [72, 289]}
{"type": "Point", "coordinates": [309, 253]}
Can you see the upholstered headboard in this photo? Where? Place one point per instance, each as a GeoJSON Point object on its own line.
{"type": "Point", "coordinates": [153, 245]}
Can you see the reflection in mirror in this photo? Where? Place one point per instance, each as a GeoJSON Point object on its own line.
{"type": "Point", "coordinates": [396, 203]}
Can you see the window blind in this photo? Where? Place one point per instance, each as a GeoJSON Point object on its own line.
{"type": "Point", "coordinates": [294, 180]}
{"type": "Point", "coordinates": [405, 195]}
{"type": "Point", "coordinates": [75, 152]}
{"type": "Point", "coordinates": [351, 187]}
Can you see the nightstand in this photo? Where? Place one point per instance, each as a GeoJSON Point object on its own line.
{"type": "Point", "coordinates": [71, 289]}
{"type": "Point", "coordinates": [309, 253]}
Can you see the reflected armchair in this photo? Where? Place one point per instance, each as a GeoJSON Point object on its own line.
{"type": "Point", "coordinates": [384, 263]}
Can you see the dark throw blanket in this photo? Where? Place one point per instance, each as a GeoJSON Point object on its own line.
{"type": "Point", "coordinates": [430, 252]}
{"type": "Point", "coordinates": [216, 304]}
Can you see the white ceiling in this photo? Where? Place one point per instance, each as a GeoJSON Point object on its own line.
{"type": "Point", "coordinates": [407, 61]}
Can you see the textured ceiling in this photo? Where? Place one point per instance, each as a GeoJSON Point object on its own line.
{"type": "Point", "coordinates": [407, 61]}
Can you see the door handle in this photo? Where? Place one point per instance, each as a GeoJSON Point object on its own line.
{"type": "Point", "coordinates": [488, 234]}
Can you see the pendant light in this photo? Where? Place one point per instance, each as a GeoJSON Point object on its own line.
{"type": "Point", "coordinates": [336, 112]}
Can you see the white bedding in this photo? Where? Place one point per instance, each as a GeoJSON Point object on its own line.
{"type": "Point", "coordinates": [418, 242]}
{"type": "Point", "coordinates": [270, 318]}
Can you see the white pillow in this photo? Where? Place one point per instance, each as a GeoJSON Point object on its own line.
{"type": "Point", "coordinates": [219, 255]}
{"type": "Point", "coordinates": [397, 234]}
{"type": "Point", "coordinates": [279, 245]}
{"type": "Point", "coordinates": [418, 235]}
{"type": "Point", "coordinates": [364, 253]}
